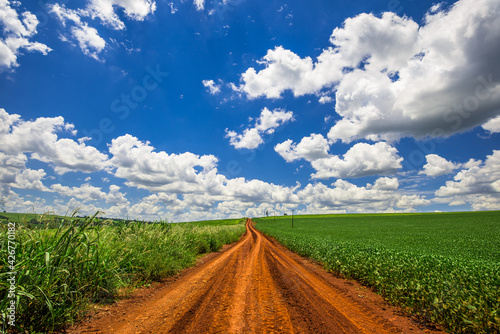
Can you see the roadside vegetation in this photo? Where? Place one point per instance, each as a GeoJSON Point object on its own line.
{"type": "Point", "coordinates": [443, 268]}
{"type": "Point", "coordinates": [61, 271]}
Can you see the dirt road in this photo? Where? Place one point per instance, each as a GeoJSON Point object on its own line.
{"type": "Point", "coordinates": [254, 286]}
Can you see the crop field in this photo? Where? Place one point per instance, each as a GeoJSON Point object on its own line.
{"type": "Point", "coordinates": [221, 222]}
{"type": "Point", "coordinates": [26, 217]}
{"type": "Point", "coordinates": [443, 268]}
{"type": "Point", "coordinates": [61, 271]}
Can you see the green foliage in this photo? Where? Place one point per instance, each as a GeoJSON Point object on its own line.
{"type": "Point", "coordinates": [443, 268]}
{"type": "Point", "coordinates": [60, 271]}
{"type": "Point", "coordinates": [221, 222]}
{"type": "Point", "coordinates": [26, 218]}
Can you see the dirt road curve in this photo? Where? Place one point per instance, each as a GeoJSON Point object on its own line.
{"type": "Point", "coordinates": [254, 286]}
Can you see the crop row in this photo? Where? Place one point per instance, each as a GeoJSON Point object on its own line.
{"type": "Point", "coordinates": [59, 272]}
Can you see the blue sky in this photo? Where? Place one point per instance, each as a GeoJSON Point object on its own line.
{"type": "Point", "coordinates": [190, 110]}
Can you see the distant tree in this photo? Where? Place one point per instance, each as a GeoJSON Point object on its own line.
{"type": "Point", "coordinates": [267, 213]}
{"type": "Point", "coordinates": [34, 221]}
{"type": "Point", "coordinates": [2, 204]}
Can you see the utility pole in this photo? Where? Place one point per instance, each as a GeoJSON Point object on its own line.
{"type": "Point", "coordinates": [292, 217]}
{"type": "Point", "coordinates": [275, 216]}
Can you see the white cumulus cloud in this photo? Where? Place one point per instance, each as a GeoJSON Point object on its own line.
{"type": "Point", "coordinates": [200, 4]}
{"type": "Point", "coordinates": [477, 178]}
{"type": "Point", "coordinates": [182, 186]}
{"type": "Point", "coordinates": [14, 174]}
{"type": "Point", "coordinates": [18, 29]}
{"type": "Point", "coordinates": [89, 40]}
{"type": "Point", "coordinates": [87, 37]}
{"type": "Point", "coordinates": [477, 184]}
{"type": "Point", "coordinates": [493, 125]}
{"type": "Point", "coordinates": [360, 160]}
{"type": "Point", "coordinates": [267, 123]}
{"type": "Point", "coordinates": [40, 138]}
{"type": "Point", "coordinates": [89, 193]}
{"type": "Point", "coordinates": [86, 192]}
{"type": "Point", "coordinates": [310, 148]}
{"type": "Point", "coordinates": [142, 167]}
{"type": "Point", "coordinates": [30, 179]}
{"type": "Point", "coordinates": [106, 10]}
{"type": "Point", "coordinates": [370, 198]}
{"type": "Point", "coordinates": [385, 183]}
{"type": "Point", "coordinates": [437, 166]}
{"type": "Point", "coordinates": [212, 87]}
{"type": "Point", "coordinates": [393, 78]}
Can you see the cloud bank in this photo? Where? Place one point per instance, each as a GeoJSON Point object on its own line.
{"type": "Point", "coordinates": [185, 186]}
{"type": "Point", "coordinates": [393, 78]}
{"type": "Point", "coordinates": [266, 124]}
{"type": "Point", "coordinates": [18, 30]}
{"type": "Point", "coordinates": [87, 37]}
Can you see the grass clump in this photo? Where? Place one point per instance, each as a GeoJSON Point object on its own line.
{"type": "Point", "coordinates": [60, 271]}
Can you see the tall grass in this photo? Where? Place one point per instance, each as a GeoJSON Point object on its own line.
{"type": "Point", "coordinates": [61, 271]}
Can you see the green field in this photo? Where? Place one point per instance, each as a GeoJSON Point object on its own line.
{"type": "Point", "coordinates": [61, 271]}
{"type": "Point", "coordinates": [26, 217]}
{"type": "Point", "coordinates": [442, 267]}
{"type": "Point", "coordinates": [221, 222]}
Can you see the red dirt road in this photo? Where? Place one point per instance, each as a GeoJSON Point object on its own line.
{"type": "Point", "coordinates": [253, 286]}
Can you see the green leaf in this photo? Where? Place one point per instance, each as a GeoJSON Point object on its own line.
{"type": "Point", "coordinates": [471, 307]}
